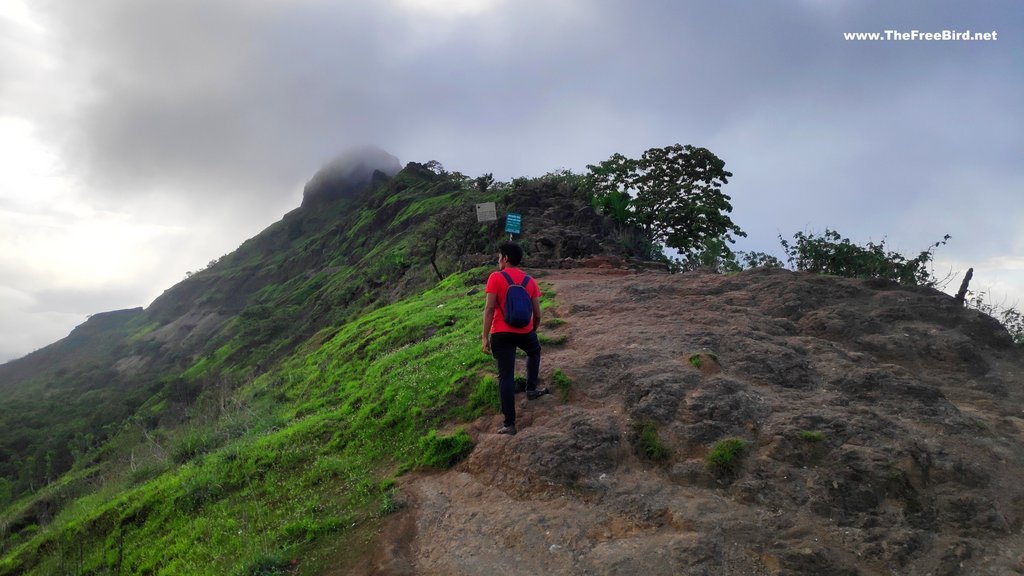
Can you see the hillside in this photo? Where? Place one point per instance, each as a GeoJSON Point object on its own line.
{"type": "Point", "coordinates": [881, 426]}
{"type": "Point", "coordinates": [316, 402]}
{"type": "Point", "coordinates": [123, 407]}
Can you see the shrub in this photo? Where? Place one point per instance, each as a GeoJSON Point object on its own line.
{"type": "Point", "coordinates": [724, 455]}
{"type": "Point", "coordinates": [649, 443]}
{"type": "Point", "coordinates": [443, 452]}
{"type": "Point", "coordinates": [832, 254]}
{"type": "Point", "coordinates": [1010, 318]}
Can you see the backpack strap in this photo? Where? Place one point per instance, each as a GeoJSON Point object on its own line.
{"type": "Point", "coordinates": [507, 278]}
{"type": "Point", "coordinates": [526, 280]}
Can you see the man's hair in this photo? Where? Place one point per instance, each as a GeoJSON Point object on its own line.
{"type": "Point", "coordinates": [512, 251]}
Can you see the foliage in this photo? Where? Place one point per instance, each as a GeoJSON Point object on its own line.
{"type": "Point", "coordinates": [554, 322]}
{"type": "Point", "coordinates": [266, 565]}
{"type": "Point", "coordinates": [748, 260]}
{"type": "Point", "coordinates": [812, 435]}
{"type": "Point", "coordinates": [832, 254]}
{"type": "Point", "coordinates": [546, 340]}
{"type": "Point", "coordinates": [562, 383]}
{"type": "Point", "coordinates": [725, 454]}
{"type": "Point", "coordinates": [696, 360]}
{"type": "Point", "coordinates": [617, 204]}
{"type": "Point", "coordinates": [1010, 317]}
{"type": "Point", "coordinates": [193, 443]}
{"type": "Point", "coordinates": [673, 193]}
{"type": "Point", "coordinates": [649, 444]}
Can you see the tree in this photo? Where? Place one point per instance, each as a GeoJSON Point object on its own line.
{"type": "Point", "coordinates": [675, 196]}
{"type": "Point", "coordinates": [452, 232]}
{"type": "Point", "coordinates": [484, 182]}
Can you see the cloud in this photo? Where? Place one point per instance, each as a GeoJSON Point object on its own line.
{"type": "Point", "coordinates": [169, 132]}
{"type": "Point", "coordinates": [25, 328]}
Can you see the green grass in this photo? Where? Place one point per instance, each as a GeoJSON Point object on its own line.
{"type": "Point", "coordinates": [812, 436]}
{"type": "Point", "coordinates": [562, 383]}
{"type": "Point", "coordinates": [695, 359]}
{"type": "Point", "coordinates": [300, 461]}
{"type": "Point", "coordinates": [546, 340]}
{"type": "Point", "coordinates": [725, 454]}
{"type": "Point", "coordinates": [554, 323]}
{"type": "Point", "coordinates": [440, 452]}
{"type": "Point", "coordinates": [649, 443]}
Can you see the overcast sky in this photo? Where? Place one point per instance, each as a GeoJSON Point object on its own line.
{"type": "Point", "coordinates": [139, 139]}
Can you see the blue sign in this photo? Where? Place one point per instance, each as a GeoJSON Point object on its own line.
{"type": "Point", "coordinates": [514, 223]}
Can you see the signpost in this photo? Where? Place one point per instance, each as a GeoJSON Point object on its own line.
{"type": "Point", "coordinates": [486, 212]}
{"type": "Point", "coordinates": [513, 223]}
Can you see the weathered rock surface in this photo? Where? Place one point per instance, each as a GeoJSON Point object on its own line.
{"type": "Point", "coordinates": [884, 431]}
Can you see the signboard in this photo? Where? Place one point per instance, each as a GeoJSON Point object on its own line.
{"type": "Point", "coordinates": [513, 223]}
{"type": "Point", "coordinates": [486, 212]}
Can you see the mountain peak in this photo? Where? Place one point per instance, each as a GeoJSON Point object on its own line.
{"type": "Point", "coordinates": [349, 173]}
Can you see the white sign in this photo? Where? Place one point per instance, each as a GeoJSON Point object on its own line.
{"type": "Point", "coordinates": [486, 212]}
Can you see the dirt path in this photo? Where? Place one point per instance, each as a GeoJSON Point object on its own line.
{"type": "Point", "coordinates": [567, 494]}
{"type": "Point", "coordinates": [571, 494]}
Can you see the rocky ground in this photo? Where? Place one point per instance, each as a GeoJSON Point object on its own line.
{"type": "Point", "coordinates": [883, 430]}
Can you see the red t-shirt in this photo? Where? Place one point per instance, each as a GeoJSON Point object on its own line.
{"type": "Point", "coordinates": [497, 285]}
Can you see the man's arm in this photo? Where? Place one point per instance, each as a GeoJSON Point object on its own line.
{"type": "Point", "coordinates": [536, 312]}
{"type": "Point", "coordinates": [492, 301]}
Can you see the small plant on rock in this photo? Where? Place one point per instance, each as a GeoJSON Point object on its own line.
{"type": "Point", "coordinates": [725, 454]}
{"type": "Point", "coordinates": [649, 444]}
{"type": "Point", "coordinates": [697, 360]}
{"type": "Point", "coordinates": [546, 340]}
{"type": "Point", "coordinates": [812, 435]}
{"type": "Point", "coordinates": [562, 383]}
{"type": "Point", "coordinates": [554, 322]}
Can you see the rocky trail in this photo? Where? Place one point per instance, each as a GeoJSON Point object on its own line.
{"type": "Point", "coordinates": [883, 430]}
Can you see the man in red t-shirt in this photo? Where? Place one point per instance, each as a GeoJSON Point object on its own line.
{"type": "Point", "coordinates": [501, 340]}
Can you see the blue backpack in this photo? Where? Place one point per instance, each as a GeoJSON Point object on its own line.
{"type": "Point", "coordinates": [518, 309]}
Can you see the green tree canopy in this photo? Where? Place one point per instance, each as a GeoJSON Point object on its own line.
{"type": "Point", "coordinates": [675, 196]}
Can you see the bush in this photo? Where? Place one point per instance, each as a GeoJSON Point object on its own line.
{"type": "Point", "coordinates": [832, 254]}
{"type": "Point", "coordinates": [1010, 318]}
{"type": "Point", "coordinates": [724, 455]}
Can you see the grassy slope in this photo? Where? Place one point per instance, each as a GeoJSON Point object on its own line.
{"type": "Point", "coordinates": [314, 269]}
{"type": "Point", "coordinates": [268, 469]}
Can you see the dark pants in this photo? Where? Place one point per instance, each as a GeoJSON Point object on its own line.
{"type": "Point", "coordinates": [503, 347]}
